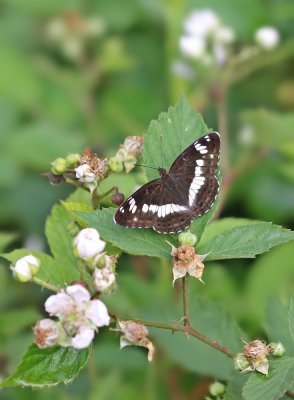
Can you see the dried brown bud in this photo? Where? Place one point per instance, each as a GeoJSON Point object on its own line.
{"type": "Point", "coordinates": [54, 179]}
{"type": "Point", "coordinates": [98, 166]}
{"type": "Point", "coordinates": [117, 198]}
{"type": "Point", "coordinates": [256, 350]}
{"type": "Point", "coordinates": [187, 261]}
{"type": "Point", "coordinates": [133, 145]}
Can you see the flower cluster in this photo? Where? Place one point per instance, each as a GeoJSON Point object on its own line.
{"type": "Point", "coordinates": [127, 154]}
{"type": "Point", "coordinates": [205, 38]}
{"type": "Point", "coordinates": [71, 32]}
{"type": "Point", "coordinates": [91, 169]}
{"type": "Point", "coordinates": [255, 356]}
{"type": "Point", "coordinates": [79, 318]}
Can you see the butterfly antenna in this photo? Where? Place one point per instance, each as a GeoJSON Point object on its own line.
{"type": "Point", "coordinates": [161, 150]}
{"type": "Point", "coordinates": [145, 166]}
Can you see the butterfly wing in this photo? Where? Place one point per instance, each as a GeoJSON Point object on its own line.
{"type": "Point", "coordinates": [169, 204]}
{"type": "Point", "coordinates": [194, 173]}
{"type": "Point", "coordinates": [155, 205]}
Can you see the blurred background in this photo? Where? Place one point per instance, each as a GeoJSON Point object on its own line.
{"type": "Point", "coordinates": [89, 73]}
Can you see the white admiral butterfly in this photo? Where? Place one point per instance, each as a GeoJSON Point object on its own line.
{"type": "Point", "coordinates": [188, 190]}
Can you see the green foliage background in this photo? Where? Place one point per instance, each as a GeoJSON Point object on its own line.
{"type": "Point", "coordinates": [43, 116]}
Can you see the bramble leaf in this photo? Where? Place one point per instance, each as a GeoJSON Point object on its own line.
{"type": "Point", "coordinates": [280, 379]}
{"type": "Point", "coordinates": [291, 318]}
{"type": "Point", "coordinates": [48, 367]}
{"type": "Point", "coordinates": [234, 238]}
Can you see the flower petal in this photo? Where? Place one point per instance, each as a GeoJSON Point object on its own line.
{"type": "Point", "coordinates": [97, 313]}
{"type": "Point", "coordinates": [58, 304]}
{"type": "Point", "coordinates": [83, 339]}
{"type": "Point", "coordinates": [78, 293]}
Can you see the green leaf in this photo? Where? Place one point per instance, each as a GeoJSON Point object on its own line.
{"type": "Point", "coordinates": [276, 325]}
{"type": "Point", "coordinates": [280, 379]}
{"type": "Point", "coordinates": [47, 367]}
{"type": "Point", "coordinates": [133, 241]}
{"type": "Point", "coordinates": [189, 352]}
{"type": "Point", "coordinates": [234, 238]}
{"type": "Point", "coordinates": [71, 207]}
{"type": "Point", "coordinates": [235, 386]}
{"type": "Point", "coordinates": [291, 318]}
{"type": "Point", "coordinates": [61, 242]}
{"type": "Point", "coordinates": [270, 275]}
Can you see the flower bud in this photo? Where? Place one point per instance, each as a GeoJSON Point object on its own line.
{"type": "Point", "coordinates": [25, 268]}
{"type": "Point", "coordinates": [72, 159]}
{"type": "Point", "coordinates": [117, 198]}
{"type": "Point", "coordinates": [277, 349]}
{"type": "Point", "coordinates": [267, 37]}
{"type": "Point", "coordinates": [58, 166]}
{"type": "Point", "coordinates": [87, 243]}
{"type": "Point", "coordinates": [240, 362]}
{"type": "Point", "coordinates": [217, 389]}
{"type": "Point", "coordinates": [103, 280]}
{"type": "Point", "coordinates": [187, 238]}
{"type": "Point", "coordinates": [133, 145]}
{"type": "Point", "coordinates": [100, 261]}
{"type": "Point", "coordinates": [46, 333]}
{"type": "Point", "coordinates": [115, 164]}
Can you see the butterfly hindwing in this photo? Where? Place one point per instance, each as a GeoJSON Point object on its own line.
{"type": "Point", "coordinates": [169, 204]}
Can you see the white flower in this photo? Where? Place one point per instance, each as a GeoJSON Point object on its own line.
{"type": "Point", "coordinates": [25, 268]}
{"type": "Point", "coordinates": [192, 46]}
{"type": "Point", "coordinates": [87, 243]}
{"type": "Point", "coordinates": [202, 22]}
{"type": "Point", "coordinates": [46, 333]}
{"type": "Point", "coordinates": [103, 279]}
{"type": "Point", "coordinates": [85, 174]}
{"type": "Point", "coordinates": [135, 334]}
{"type": "Point", "coordinates": [78, 314]}
{"type": "Point", "coordinates": [267, 37]}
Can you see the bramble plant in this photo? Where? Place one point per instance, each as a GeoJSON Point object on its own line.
{"type": "Point", "coordinates": [83, 274]}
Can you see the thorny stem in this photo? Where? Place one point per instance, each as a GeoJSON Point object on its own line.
{"type": "Point", "coordinates": [188, 329]}
{"type": "Point", "coordinates": [185, 300]}
{"type": "Point", "coordinates": [47, 285]}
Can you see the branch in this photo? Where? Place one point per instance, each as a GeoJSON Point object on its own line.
{"type": "Point", "coordinates": [188, 330]}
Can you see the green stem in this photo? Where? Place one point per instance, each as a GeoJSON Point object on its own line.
{"type": "Point", "coordinates": [46, 285]}
{"type": "Point", "coordinates": [185, 300]}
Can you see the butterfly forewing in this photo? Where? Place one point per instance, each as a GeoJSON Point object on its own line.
{"type": "Point", "coordinates": [189, 189]}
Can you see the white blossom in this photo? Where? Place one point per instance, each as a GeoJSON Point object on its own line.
{"type": "Point", "coordinates": [192, 46]}
{"type": "Point", "coordinates": [85, 174]}
{"type": "Point", "coordinates": [25, 268]}
{"type": "Point", "coordinates": [202, 22]}
{"type": "Point", "coordinates": [78, 314]}
{"type": "Point", "coordinates": [88, 243]}
{"type": "Point", "coordinates": [267, 37]}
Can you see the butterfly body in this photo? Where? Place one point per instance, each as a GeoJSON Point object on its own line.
{"type": "Point", "coordinates": [169, 204]}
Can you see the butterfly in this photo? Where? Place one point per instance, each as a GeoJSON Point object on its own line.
{"type": "Point", "coordinates": [169, 204]}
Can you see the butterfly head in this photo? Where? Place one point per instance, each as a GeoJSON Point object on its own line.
{"type": "Point", "coordinates": [162, 172]}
